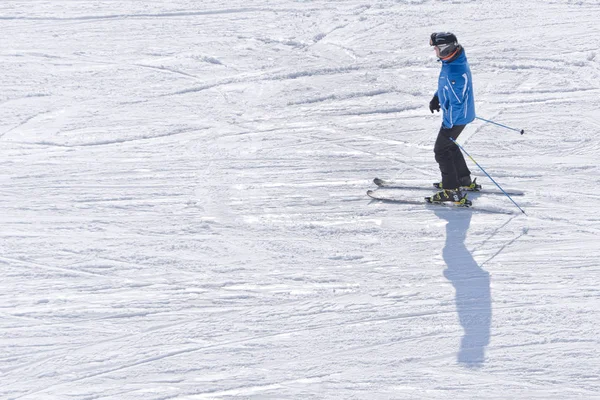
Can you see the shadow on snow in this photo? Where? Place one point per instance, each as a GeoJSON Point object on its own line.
{"type": "Point", "coordinates": [472, 286]}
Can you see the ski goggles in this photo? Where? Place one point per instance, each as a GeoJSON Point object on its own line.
{"type": "Point", "coordinates": [442, 47]}
{"type": "Point", "coordinates": [444, 50]}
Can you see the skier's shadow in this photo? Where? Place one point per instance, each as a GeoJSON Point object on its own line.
{"type": "Point", "coordinates": [472, 286]}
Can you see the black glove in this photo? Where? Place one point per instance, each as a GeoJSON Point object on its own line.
{"type": "Point", "coordinates": [434, 104]}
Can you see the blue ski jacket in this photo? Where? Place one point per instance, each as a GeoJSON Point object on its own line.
{"type": "Point", "coordinates": [455, 91]}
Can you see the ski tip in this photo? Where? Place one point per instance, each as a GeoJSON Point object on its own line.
{"type": "Point", "coordinates": [378, 181]}
{"type": "Point", "coordinates": [372, 195]}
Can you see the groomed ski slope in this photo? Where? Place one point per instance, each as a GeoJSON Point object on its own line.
{"type": "Point", "coordinates": [183, 211]}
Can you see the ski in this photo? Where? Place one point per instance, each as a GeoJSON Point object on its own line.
{"type": "Point", "coordinates": [398, 185]}
{"type": "Point", "coordinates": [427, 202]}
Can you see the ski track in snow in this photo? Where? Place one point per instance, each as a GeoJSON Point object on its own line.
{"type": "Point", "coordinates": [184, 212]}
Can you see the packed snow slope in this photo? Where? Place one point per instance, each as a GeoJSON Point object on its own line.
{"type": "Point", "coordinates": [183, 211]}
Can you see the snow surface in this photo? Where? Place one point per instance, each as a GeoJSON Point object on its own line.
{"type": "Point", "coordinates": [183, 210]}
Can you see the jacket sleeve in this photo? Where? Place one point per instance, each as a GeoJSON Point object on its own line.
{"type": "Point", "coordinates": [458, 88]}
{"type": "Point", "coordinates": [458, 92]}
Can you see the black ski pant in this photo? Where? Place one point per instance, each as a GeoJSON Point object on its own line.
{"type": "Point", "coordinates": [449, 157]}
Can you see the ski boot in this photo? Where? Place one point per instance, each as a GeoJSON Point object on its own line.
{"type": "Point", "coordinates": [450, 196]}
{"type": "Point", "coordinates": [465, 184]}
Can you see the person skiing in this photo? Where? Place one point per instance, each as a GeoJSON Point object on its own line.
{"type": "Point", "coordinates": [455, 97]}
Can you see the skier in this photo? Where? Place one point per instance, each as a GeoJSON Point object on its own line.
{"type": "Point", "coordinates": [455, 97]}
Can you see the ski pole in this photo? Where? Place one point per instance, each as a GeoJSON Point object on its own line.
{"type": "Point", "coordinates": [488, 175]}
{"type": "Point", "coordinates": [521, 131]}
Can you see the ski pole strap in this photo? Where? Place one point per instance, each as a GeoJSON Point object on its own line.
{"type": "Point", "coordinates": [521, 131]}
{"type": "Point", "coordinates": [488, 175]}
